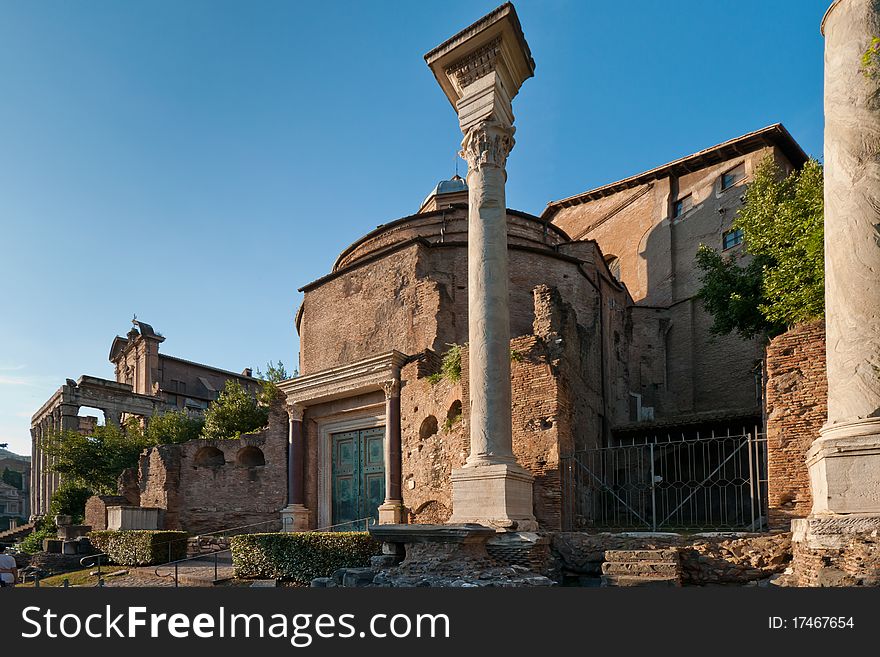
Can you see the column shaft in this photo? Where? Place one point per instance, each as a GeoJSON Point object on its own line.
{"type": "Point", "coordinates": [488, 318]}
{"type": "Point", "coordinates": [852, 220]}
{"type": "Point", "coordinates": [295, 469]}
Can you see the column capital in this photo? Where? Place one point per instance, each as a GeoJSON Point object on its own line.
{"type": "Point", "coordinates": [391, 388]}
{"type": "Point", "coordinates": [487, 144]}
{"type": "Point", "coordinates": [295, 411]}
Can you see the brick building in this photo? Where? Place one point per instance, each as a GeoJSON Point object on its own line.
{"type": "Point", "coordinates": [610, 342]}
{"type": "Point", "coordinates": [147, 383]}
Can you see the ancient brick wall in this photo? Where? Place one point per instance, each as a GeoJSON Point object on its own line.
{"type": "Point", "coordinates": [207, 485]}
{"type": "Point", "coordinates": [797, 395]}
{"type": "Point", "coordinates": [556, 408]}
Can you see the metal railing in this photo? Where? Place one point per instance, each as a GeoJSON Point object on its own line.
{"type": "Point", "coordinates": [715, 482]}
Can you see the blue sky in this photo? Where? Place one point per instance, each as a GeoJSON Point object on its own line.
{"type": "Point", "coordinates": [195, 162]}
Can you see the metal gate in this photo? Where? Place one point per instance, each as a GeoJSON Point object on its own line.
{"type": "Point", "coordinates": [663, 484]}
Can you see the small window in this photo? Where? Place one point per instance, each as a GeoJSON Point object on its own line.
{"type": "Point", "coordinates": [613, 263]}
{"type": "Point", "coordinates": [730, 238]}
{"type": "Point", "coordinates": [733, 176]}
{"type": "Point", "coordinates": [682, 206]}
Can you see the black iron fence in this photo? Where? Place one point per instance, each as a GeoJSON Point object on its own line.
{"type": "Point", "coordinates": [666, 484]}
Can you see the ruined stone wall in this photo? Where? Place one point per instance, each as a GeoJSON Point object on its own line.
{"type": "Point", "coordinates": [208, 485]}
{"type": "Point", "coordinates": [705, 559]}
{"type": "Point", "coordinates": [557, 407]}
{"type": "Point", "coordinates": [797, 398]}
{"type": "Point", "coordinates": [856, 562]}
{"type": "Point", "coordinates": [434, 440]}
{"type": "Point", "coordinates": [96, 510]}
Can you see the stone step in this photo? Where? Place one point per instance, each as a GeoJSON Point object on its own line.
{"type": "Point", "coordinates": [628, 581]}
{"type": "Point", "coordinates": [642, 555]}
{"type": "Point", "coordinates": [651, 568]}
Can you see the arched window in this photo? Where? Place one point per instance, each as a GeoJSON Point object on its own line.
{"type": "Point", "coordinates": [613, 263]}
{"type": "Point", "coordinates": [428, 428]}
{"type": "Point", "coordinates": [209, 457]}
{"type": "Point", "coordinates": [250, 456]}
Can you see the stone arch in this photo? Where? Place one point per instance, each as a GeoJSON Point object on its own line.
{"type": "Point", "coordinates": [209, 457]}
{"type": "Point", "coordinates": [613, 263]}
{"type": "Point", "coordinates": [453, 415]}
{"type": "Point", "coordinates": [429, 427]}
{"type": "Point", "coordinates": [250, 456]}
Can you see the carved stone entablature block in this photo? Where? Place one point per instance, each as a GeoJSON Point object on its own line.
{"type": "Point", "coordinates": [477, 64]}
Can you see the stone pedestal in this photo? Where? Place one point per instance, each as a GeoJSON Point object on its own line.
{"type": "Point", "coordinates": [844, 466]}
{"type": "Point", "coordinates": [499, 496]}
{"type": "Point", "coordinates": [294, 518]}
{"type": "Point", "coordinates": [481, 69]}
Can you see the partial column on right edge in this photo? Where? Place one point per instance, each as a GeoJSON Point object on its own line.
{"type": "Point", "coordinates": [844, 463]}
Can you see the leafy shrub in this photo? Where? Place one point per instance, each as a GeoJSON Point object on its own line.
{"type": "Point", "coordinates": [173, 427]}
{"type": "Point", "coordinates": [300, 557]}
{"type": "Point", "coordinates": [33, 542]}
{"type": "Point", "coordinates": [233, 413]}
{"type": "Point", "coordinates": [135, 547]}
{"type": "Point", "coordinates": [70, 500]}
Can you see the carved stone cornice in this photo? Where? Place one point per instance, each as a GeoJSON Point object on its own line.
{"type": "Point", "coordinates": [487, 144]}
{"type": "Point", "coordinates": [348, 380]}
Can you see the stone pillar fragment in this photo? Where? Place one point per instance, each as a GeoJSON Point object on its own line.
{"type": "Point", "coordinates": [295, 516]}
{"type": "Point", "coordinates": [481, 69]}
{"type": "Point", "coordinates": [844, 463]}
{"type": "Point", "coordinates": [391, 510]}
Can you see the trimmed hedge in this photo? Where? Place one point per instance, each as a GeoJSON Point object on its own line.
{"type": "Point", "coordinates": [300, 556]}
{"type": "Point", "coordinates": [141, 547]}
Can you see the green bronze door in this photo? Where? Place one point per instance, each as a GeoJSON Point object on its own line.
{"type": "Point", "coordinates": [358, 481]}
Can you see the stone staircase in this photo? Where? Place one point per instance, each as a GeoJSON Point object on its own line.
{"type": "Point", "coordinates": [12, 535]}
{"type": "Point", "coordinates": [641, 568]}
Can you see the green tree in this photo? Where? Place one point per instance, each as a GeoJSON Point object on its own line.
{"type": "Point", "coordinates": [70, 500]}
{"type": "Point", "coordinates": [96, 461]}
{"type": "Point", "coordinates": [173, 427]}
{"type": "Point", "coordinates": [275, 373]}
{"type": "Point", "coordinates": [233, 413]}
{"type": "Point", "coordinates": [784, 282]}
{"type": "Point", "coordinates": [12, 478]}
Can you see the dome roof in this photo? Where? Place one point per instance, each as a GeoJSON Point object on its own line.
{"type": "Point", "coordinates": [451, 186]}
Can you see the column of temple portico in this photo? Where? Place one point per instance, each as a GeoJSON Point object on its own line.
{"type": "Point", "coordinates": [45, 480]}
{"type": "Point", "coordinates": [35, 470]}
{"type": "Point", "coordinates": [844, 463]}
{"type": "Point", "coordinates": [295, 516]}
{"type": "Point", "coordinates": [481, 69]}
{"type": "Point", "coordinates": [391, 510]}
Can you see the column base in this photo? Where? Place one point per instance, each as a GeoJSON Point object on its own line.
{"type": "Point", "coordinates": [392, 512]}
{"type": "Point", "coordinates": [499, 496]}
{"type": "Point", "coordinates": [294, 518]}
{"type": "Point", "coordinates": [844, 467]}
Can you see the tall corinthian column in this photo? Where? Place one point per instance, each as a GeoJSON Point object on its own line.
{"type": "Point", "coordinates": [481, 69]}
{"type": "Point", "coordinates": [485, 147]}
{"type": "Point", "coordinates": [844, 462]}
